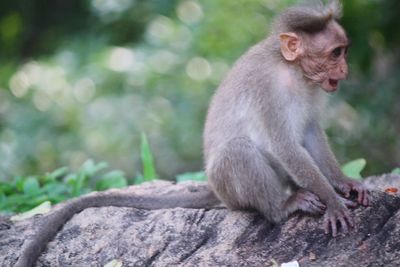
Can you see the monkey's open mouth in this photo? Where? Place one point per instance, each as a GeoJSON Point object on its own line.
{"type": "Point", "coordinates": [333, 83]}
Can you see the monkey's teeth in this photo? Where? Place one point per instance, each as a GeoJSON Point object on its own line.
{"type": "Point", "coordinates": [333, 83]}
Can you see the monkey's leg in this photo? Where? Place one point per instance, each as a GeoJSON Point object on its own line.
{"type": "Point", "coordinates": [245, 177]}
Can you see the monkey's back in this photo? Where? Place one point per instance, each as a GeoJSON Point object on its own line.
{"type": "Point", "coordinates": [233, 111]}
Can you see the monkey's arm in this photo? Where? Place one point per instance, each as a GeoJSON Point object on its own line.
{"type": "Point", "coordinates": [305, 173]}
{"type": "Point", "coordinates": [317, 146]}
{"type": "Point", "coordinates": [202, 197]}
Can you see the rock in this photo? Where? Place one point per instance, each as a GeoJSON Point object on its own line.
{"type": "Point", "coordinates": [215, 237]}
{"type": "Point", "coordinates": [383, 182]}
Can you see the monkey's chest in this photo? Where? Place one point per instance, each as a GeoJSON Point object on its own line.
{"type": "Point", "coordinates": [297, 116]}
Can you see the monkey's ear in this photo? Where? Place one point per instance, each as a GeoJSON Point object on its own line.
{"type": "Point", "coordinates": [291, 46]}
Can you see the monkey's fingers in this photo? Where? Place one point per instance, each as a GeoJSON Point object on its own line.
{"type": "Point", "coordinates": [333, 217]}
{"type": "Point", "coordinates": [362, 194]}
{"type": "Point", "coordinates": [343, 224]}
{"type": "Point", "coordinates": [366, 200]}
{"type": "Point", "coordinates": [360, 198]}
{"type": "Point", "coordinates": [321, 206]}
{"type": "Point", "coordinates": [326, 224]}
{"type": "Point", "coordinates": [349, 203]}
{"type": "Point", "coordinates": [344, 188]}
{"type": "Point", "coordinates": [317, 208]}
{"type": "Point", "coordinates": [330, 221]}
{"type": "Point", "coordinates": [346, 221]}
{"type": "Point", "coordinates": [349, 219]}
{"type": "Point", "coordinates": [314, 200]}
{"type": "Point", "coordinates": [333, 226]}
{"type": "Point", "coordinates": [311, 203]}
{"type": "Point", "coordinates": [311, 207]}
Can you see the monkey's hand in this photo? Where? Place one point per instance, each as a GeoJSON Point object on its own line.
{"type": "Point", "coordinates": [337, 214]}
{"type": "Point", "coordinates": [348, 185]}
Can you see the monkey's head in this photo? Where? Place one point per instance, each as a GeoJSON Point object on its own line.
{"type": "Point", "coordinates": [313, 39]}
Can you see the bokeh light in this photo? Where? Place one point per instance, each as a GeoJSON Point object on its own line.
{"type": "Point", "coordinates": [84, 79]}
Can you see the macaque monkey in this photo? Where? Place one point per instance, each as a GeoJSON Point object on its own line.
{"type": "Point", "coordinates": [264, 148]}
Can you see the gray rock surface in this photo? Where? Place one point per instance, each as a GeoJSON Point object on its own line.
{"type": "Point", "coordinates": [215, 237]}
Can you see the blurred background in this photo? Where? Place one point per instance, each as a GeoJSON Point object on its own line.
{"type": "Point", "coordinates": [83, 79]}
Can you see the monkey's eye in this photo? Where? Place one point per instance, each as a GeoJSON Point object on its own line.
{"type": "Point", "coordinates": [336, 52]}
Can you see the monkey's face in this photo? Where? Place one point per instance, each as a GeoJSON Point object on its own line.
{"type": "Point", "coordinates": [324, 61]}
{"type": "Point", "coordinates": [327, 69]}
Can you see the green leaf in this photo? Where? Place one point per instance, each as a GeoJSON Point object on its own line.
{"type": "Point", "coordinates": [149, 171]}
{"type": "Point", "coordinates": [7, 188]}
{"type": "Point", "coordinates": [71, 179]}
{"type": "Point", "coordinates": [353, 168]}
{"type": "Point", "coordinates": [138, 179]}
{"type": "Point", "coordinates": [52, 176]}
{"type": "Point", "coordinates": [57, 173]}
{"type": "Point", "coordinates": [31, 186]}
{"type": "Point", "coordinates": [113, 263]}
{"type": "Point", "coordinates": [78, 185]}
{"type": "Point", "coordinates": [113, 179]}
{"type": "Point", "coordinates": [19, 183]}
{"type": "Point", "coordinates": [191, 176]}
{"type": "Point", "coordinates": [90, 168]}
{"type": "Point", "coordinates": [396, 171]}
{"type": "Point", "coordinates": [15, 202]}
{"type": "Point", "coordinates": [41, 209]}
{"type": "Point", "coordinates": [55, 189]}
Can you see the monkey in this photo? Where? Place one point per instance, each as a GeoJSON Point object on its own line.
{"type": "Point", "coordinates": [264, 148]}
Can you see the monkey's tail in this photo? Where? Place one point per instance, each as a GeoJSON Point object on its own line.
{"type": "Point", "coordinates": [201, 197]}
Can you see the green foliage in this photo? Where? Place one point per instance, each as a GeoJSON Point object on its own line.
{"type": "Point", "coordinates": [191, 176]}
{"type": "Point", "coordinates": [78, 182]}
{"type": "Point", "coordinates": [354, 168]}
{"type": "Point", "coordinates": [112, 179]}
{"type": "Point", "coordinates": [84, 79]}
{"type": "Point", "coordinates": [149, 170]}
{"type": "Point", "coordinates": [24, 193]}
{"type": "Point", "coordinates": [396, 171]}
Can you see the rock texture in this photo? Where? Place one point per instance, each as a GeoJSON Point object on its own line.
{"type": "Point", "coordinates": [215, 237]}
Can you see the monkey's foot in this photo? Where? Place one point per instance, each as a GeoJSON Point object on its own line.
{"type": "Point", "coordinates": [339, 215]}
{"type": "Point", "coordinates": [305, 201]}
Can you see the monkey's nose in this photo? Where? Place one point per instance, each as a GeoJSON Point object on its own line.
{"type": "Point", "coordinates": [344, 70]}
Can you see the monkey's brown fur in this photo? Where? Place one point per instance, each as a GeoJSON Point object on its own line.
{"type": "Point", "coordinates": [263, 146]}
